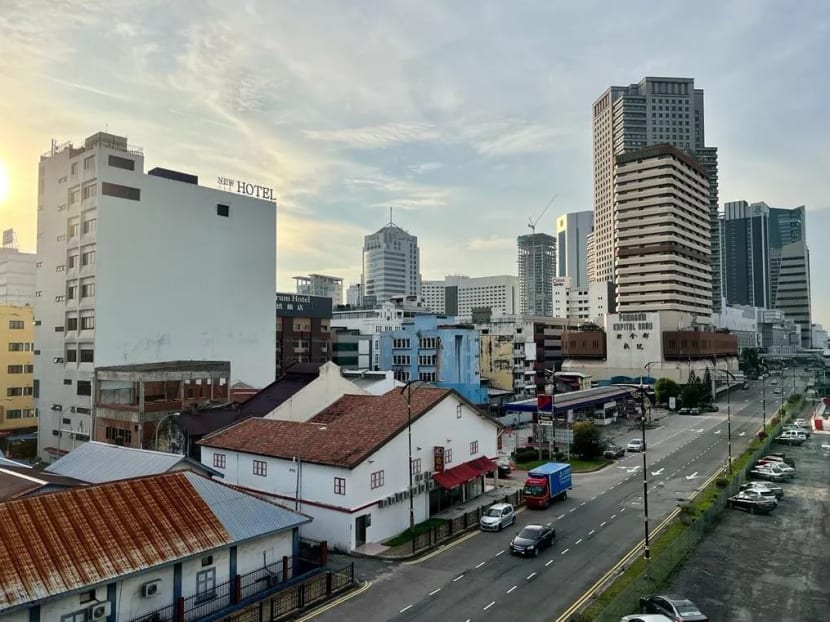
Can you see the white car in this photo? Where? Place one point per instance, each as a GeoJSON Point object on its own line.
{"type": "Point", "coordinates": [645, 617]}
{"type": "Point", "coordinates": [635, 444]}
{"type": "Point", "coordinates": [497, 517]}
{"type": "Point", "coordinates": [802, 423]}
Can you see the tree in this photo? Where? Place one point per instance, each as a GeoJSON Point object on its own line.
{"type": "Point", "coordinates": [750, 362]}
{"type": "Point", "coordinates": [694, 393]}
{"type": "Point", "coordinates": [665, 388]}
{"type": "Point", "coordinates": [586, 443]}
{"type": "Point", "coordinates": [707, 387]}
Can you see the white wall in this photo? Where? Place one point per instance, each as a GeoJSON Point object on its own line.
{"type": "Point", "coordinates": [176, 281]}
{"type": "Point", "coordinates": [326, 389]}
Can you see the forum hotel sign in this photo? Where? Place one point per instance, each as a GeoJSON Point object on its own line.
{"type": "Point", "coordinates": [633, 322]}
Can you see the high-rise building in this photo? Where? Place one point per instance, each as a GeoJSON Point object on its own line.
{"type": "Point", "coordinates": [303, 330]}
{"type": "Point", "coordinates": [391, 265]}
{"type": "Point", "coordinates": [458, 295]}
{"type": "Point", "coordinates": [766, 260]}
{"type": "Point", "coordinates": [17, 273]}
{"type": "Point", "coordinates": [321, 285]}
{"type": "Point", "coordinates": [584, 304]}
{"type": "Point", "coordinates": [537, 269]}
{"type": "Point", "coordinates": [663, 244]}
{"type": "Point", "coordinates": [657, 110]}
{"type": "Point", "coordinates": [353, 297]}
{"type": "Point", "coordinates": [572, 231]}
{"type": "Point", "coordinates": [138, 267]}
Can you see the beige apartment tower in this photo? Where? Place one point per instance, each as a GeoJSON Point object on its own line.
{"type": "Point", "coordinates": [661, 219]}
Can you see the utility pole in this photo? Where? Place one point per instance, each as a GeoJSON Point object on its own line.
{"type": "Point", "coordinates": [647, 547]}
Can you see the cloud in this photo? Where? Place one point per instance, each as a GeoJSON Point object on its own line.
{"type": "Point", "coordinates": [378, 136]}
{"type": "Point", "coordinates": [491, 243]}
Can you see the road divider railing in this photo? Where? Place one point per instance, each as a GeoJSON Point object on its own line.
{"type": "Point", "coordinates": [617, 593]}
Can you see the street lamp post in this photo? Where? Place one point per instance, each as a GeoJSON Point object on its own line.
{"type": "Point", "coordinates": [408, 388]}
{"type": "Point", "coordinates": [764, 398]}
{"type": "Point", "coordinates": [728, 412]}
{"type": "Point", "coordinates": [646, 546]}
{"type": "Point", "coordinates": [648, 373]}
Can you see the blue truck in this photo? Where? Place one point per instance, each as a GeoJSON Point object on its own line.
{"type": "Point", "coordinates": [546, 483]}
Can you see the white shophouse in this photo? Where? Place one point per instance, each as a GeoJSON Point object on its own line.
{"type": "Point", "coordinates": [348, 467]}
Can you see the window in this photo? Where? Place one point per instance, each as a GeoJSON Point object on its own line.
{"type": "Point", "coordinates": [58, 329]}
{"type": "Point", "coordinates": [118, 162]}
{"type": "Point", "coordinates": [340, 485]}
{"type": "Point", "coordinates": [89, 226]}
{"type": "Point", "coordinates": [219, 461]}
{"type": "Point", "coordinates": [14, 391]}
{"type": "Point", "coordinates": [73, 170]}
{"type": "Point", "coordinates": [15, 369]}
{"type": "Point", "coordinates": [205, 585]}
{"type": "Point", "coordinates": [87, 355]}
{"type": "Point", "coordinates": [120, 192]}
{"type": "Point", "coordinates": [89, 163]}
{"type": "Point", "coordinates": [400, 344]}
{"type": "Point", "coordinates": [223, 210]}
{"type": "Point", "coordinates": [473, 448]}
{"type": "Point", "coordinates": [118, 436]}
{"type": "Point", "coordinates": [426, 359]}
{"type": "Point", "coordinates": [74, 196]}
{"type": "Point", "coordinates": [415, 466]}
{"type": "Point", "coordinates": [71, 292]}
{"type": "Point", "coordinates": [400, 359]}
{"type": "Point", "coordinates": [71, 323]}
{"type": "Point", "coordinates": [89, 191]}
{"type": "Point", "coordinates": [426, 376]}
{"type": "Point", "coordinates": [76, 616]}
{"type": "Point", "coordinates": [59, 298]}
{"type": "Point", "coordinates": [83, 387]}
{"type": "Point", "coordinates": [448, 455]}
{"type": "Point", "coordinates": [67, 381]}
{"type": "Point", "coordinates": [72, 261]}
{"type": "Point", "coordinates": [87, 322]}
{"type": "Point", "coordinates": [87, 597]}
{"type": "Point", "coordinates": [376, 479]}
{"type": "Point", "coordinates": [260, 468]}
{"type": "Point", "coordinates": [428, 343]}
{"type": "Point", "coordinates": [87, 290]}
{"type": "Point", "coordinates": [16, 347]}
{"type": "Point", "coordinates": [88, 258]}
{"type": "Point", "coordinates": [207, 561]}
{"type": "Point", "coordinates": [71, 355]}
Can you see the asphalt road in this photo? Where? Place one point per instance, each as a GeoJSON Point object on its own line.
{"type": "Point", "coordinates": [602, 519]}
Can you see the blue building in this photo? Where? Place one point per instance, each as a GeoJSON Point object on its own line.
{"type": "Point", "coordinates": [438, 350]}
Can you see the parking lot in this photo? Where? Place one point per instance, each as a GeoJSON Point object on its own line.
{"type": "Point", "coordinates": [774, 566]}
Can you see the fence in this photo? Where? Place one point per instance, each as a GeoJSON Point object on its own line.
{"type": "Point", "coordinates": [459, 524]}
{"type": "Point", "coordinates": [295, 598]}
{"type": "Point", "coordinates": [662, 564]}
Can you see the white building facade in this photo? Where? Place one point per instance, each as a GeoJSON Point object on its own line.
{"type": "Point", "coordinates": [321, 285]}
{"type": "Point", "coordinates": [17, 275]}
{"type": "Point", "coordinates": [140, 268]}
{"type": "Point", "coordinates": [585, 304]}
{"type": "Point", "coordinates": [391, 265]}
{"type": "Point", "coordinates": [459, 295]}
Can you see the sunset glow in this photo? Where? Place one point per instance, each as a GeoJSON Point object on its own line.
{"type": "Point", "coordinates": [4, 182]}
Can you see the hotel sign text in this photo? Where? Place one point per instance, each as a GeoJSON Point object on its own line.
{"type": "Point", "coordinates": [251, 190]}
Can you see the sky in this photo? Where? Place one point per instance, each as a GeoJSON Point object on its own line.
{"type": "Point", "coordinates": [464, 117]}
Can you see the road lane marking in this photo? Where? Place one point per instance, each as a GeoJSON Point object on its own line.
{"type": "Point", "coordinates": [622, 510]}
{"type": "Point", "coordinates": [571, 510]}
{"type": "Point", "coordinates": [591, 533]}
{"type": "Point", "coordinates": [434, 592]}
{"type": "Point", "coordinates": [480, 564]}
{"type": "Point", "coordinates": [458, 578]}
{"type": "Point", "coordinates": [512, 588]}
{"type": "Point", "coordinates": [500, 552]}
{"type": "Point", "coordinates": [602, 524]}
{"type": "Point", "coordinates": [560, 516]}
{"type": "Point", "coordinates": [334, 603]}
{"type": "Point", "coordinates": [593, 498]}
{"type": "Point", "coordinates": [583, 503]}
{"type": "Point", "coordinates": [490, 605]}
{"type": "Point", "coordinates": [578, 541]}
{"type": "Point", "coordinates": [530, 576]}
{"type": "Point", "coordinates": [565, 551]}
{"type": "Point", "coordinates": [549, 562]}
{"type": "Point", "coordinates": [407, 608]}
{"type": "Point", "coordinates": [613, 516]}
{"type": "Point", "coordinates": [445, 547]}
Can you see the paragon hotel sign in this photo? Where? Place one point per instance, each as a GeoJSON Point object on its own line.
{"type": "Point", "coordinates": [241, 187]}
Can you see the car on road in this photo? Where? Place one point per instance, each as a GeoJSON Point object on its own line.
{"type": "Point", "coordinates": [794, 427]}
{"type": "Point", "coordinates": [771, 472]}
{"type": "Point", "coordinates": [497, 517]}
{"type": "Point", "coordinates": [532, 539]}
{"type": "Point", "coordinates": [674, 608]}
{"type": "Point", "coordinates": [759, 485]}
{"type": "Point", "coordinates": [753, 501]}
{"type": "Point", "coordinates": [792, 437]}
{"type": "Point", "coordinates": [777, 392]}
{"type": "Point", "coordinates": [614, 451]}
{"type": "Point", "coordinates": [645, 617]}
{"type": "Point", "coordinates": [635, 444]}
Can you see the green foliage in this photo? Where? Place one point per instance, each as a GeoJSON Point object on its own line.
{"type": "Point", "coordinates": [586, 440]}
{"type": "Point", "coordinates": [695, 393]}
{"type": "Point", "coordinates": [707, 387]}
{"type": "Point", "coordinates": [408, 534]}
{"type": "Point", "coordinates": [665, 388]}
{"type": "Point", "coordinates": [750, 362]}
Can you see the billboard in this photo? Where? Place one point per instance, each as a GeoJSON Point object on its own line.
{"type": "Point", "coordinates": [300, 305]}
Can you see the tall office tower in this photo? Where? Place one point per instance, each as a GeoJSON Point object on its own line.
{"type": "Point", "coordinates": [663, 237]}
{"type": "Point", "coordinates": [745, 251]}
{"type": "Point", "coordinates": [138, 267]}
{"type": "Point", "coordinates": [537, 269]}
{"type": "Point", "coordinates": [625, 118]}
{"type": "Point", "coordinates": [766, 260]}
{"type": "Point", "coordinates": [391, 265]}
{"type": "Point", "coordinates": [590, 257]}
{"type": "Point", "coordinates": [321, 285]}
{"type": "Point", "coordinates": [572, 232]}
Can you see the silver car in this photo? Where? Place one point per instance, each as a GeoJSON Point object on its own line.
{"type": "Point", "coordinates": [635, 444]}
{"type": "Point", "coordinates": [497, 517]}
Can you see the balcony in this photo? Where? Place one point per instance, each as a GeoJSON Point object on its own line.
{"type": "Point", "coordinates": [289, 587]}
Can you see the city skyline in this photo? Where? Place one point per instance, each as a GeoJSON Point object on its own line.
{"type": "Point", "coordinates": [375, 108]}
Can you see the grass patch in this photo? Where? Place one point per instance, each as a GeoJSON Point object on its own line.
{"type": "Point", "coordinates": [408, 534]}
{"type": "Point", "coordinates": [577, 466]}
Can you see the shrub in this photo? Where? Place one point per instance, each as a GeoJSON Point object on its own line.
{"type": "Point", "coordinates": [721, 482]}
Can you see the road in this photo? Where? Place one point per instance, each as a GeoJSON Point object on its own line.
{"type": "Point", "coordinates": [602, 519]}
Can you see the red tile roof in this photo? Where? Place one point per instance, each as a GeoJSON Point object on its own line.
{"type": "Point", "coordinates": [344, 434]}
{"type": "Point", "coordinates": [54, 543]}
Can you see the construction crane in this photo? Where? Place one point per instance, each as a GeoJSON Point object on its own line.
{"type": "Point", "coordinates": [532, 223]}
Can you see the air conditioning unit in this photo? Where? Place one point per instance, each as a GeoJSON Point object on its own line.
{"type": "Point", "coordinates": [397, 496]}
{"type": "Point", "coordinates": [148, 590]}
{"type": "Point", "coordinates": [427, 475]}
{"type": "Point", "coordinates": [430, 485]}
{"type": "Point", "coordinates": [57, 359]}
{"type": "Point", "coordinates": [390, 500]}
{"type": "Point", "coordinates": [382, 503]}
{"type": "Point", "coordinates": [100, 611]}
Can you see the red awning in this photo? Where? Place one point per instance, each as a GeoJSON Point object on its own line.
{"type": "Point", "coordinates": [463, 473]}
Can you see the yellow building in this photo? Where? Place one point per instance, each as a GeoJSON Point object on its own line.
{"type": "Point", "coordinates": [18, 420]}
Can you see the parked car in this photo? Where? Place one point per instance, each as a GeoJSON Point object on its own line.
{"type": "Point", "coordinates": [771, 472]}
{"type": "Point", "coordinates": [776, 460]}
{"type": "Point", "coordinates": [753, 501]}
{"type": "Point", "coordinates": [802, 423]}
{"type": "Point", "coordinates": [785, 468]}
{"type": "Point", "coordinates": [674, 608]}
{"type": "Point", "coordinates": [694, 411]}
{"type": "Point", "coordinates": [792, 437]}
{"type": "Point", "coordinates": [780, 457]}
{"type": "Point", "coordinates": [635, 444]}
{"type": "Point", "coordinates": [759, 485]}
{"type": "Point", "coordinates": [504, 467]}
{"type": "Point", "coordinates": [684, 411]}
{"type": "Point", "coordinates": [532, 539]}
{"type": "Point", "coordinates": [497, 517]}
{"type": "Point", "coordinates": [613, 451]}
{"type": "Point", "coordinates": [645, 617]}
{"type": "Point", "coordinates": [792, 427]}
{"type": "Point", "coordinates": [777, 392]}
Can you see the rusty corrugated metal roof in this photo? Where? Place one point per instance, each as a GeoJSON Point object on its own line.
{"type": "Point", "coordinates": [64, 541]}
